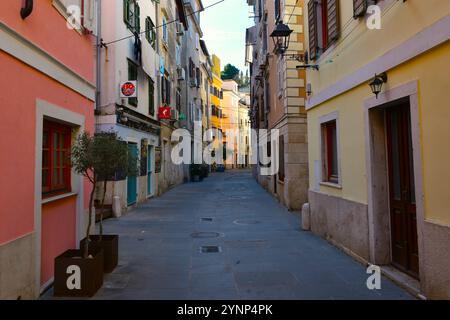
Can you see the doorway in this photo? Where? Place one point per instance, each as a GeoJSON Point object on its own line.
{"type": "Point", "coordinates": [402, 199]}
{"type": "Point", "coordinates": [132, 179]}
{"type": "Point", "coordinates": [150, 171]}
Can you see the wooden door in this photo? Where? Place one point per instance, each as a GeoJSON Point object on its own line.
{"type": "Point", "coordinates": [402, 190]}
{"type": "Point", "coordinates": [132, 179]}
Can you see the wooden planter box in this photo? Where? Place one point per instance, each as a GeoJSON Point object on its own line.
{"type": "Point", "coordinates": [110, 246]}
{"type": "Point", "coordinates": [76, 276]}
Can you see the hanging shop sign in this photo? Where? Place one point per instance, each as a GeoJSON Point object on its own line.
{"type": "Point", "coordinates": [164, 113]}
{"type": "Point", "coordinates": [128, 89]}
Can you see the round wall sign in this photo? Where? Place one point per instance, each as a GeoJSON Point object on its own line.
{"type": "Point", "coordinates": [128, 89]}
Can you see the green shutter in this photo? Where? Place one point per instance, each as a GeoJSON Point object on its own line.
{"type": "Point", "coordinates": [151, 96]}
{"type": "Point", "coordinates": [138, 18]}
{"type": "Point", "coordinates": [126, 11]}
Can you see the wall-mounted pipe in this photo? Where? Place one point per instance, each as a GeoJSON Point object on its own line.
{"type": "Point", "coordinates": [27, 8]}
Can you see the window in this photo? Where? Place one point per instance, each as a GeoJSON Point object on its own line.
{"type": "Point", "coordinates": [330, 152]}
{"type": "Point", "coordinates": [132, 76]}
{"type": "Point", "coordinates": [55, 158]}
{"type": "Point", "coordinates": [150, 32]}
{"type": "Point", "coordinates": [151, 96]}
{"type": "Point", "coordinates": [165, 90]}
{"type": "Point", "coordinates": [164, 30]}
{"type": "Point", "coordinates": [178, 100]}
{"type": "Point", "coordinates": [360, 7]}
{"type": "Point", "coordinates": [277, 10]}
{"type": "Point", "coordinates": [131, 15]}
{"type": "Point", "coordinates": [178, 55]}
{"type": "Point", "coordinates": [281, 173]}
{"type": "Point", "coordinates": [198, 77]}
{"type": "Point", "coordinates": [324, 29]}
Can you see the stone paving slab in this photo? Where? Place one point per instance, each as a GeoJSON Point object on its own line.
{"type": "Point", "coordinates": [263, 253]}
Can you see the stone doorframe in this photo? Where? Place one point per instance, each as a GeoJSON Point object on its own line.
{"type": "Point", "coordinates": [377, 171]}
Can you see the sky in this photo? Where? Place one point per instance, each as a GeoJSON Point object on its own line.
{"type": "Point", "coordinates": [223, 27]}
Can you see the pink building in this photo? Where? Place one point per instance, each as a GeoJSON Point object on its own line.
{"type": "Point", "coordinates": [47, 76]}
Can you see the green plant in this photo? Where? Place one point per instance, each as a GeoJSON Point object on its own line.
{"type": "Point", "coordinates": [99, 158]}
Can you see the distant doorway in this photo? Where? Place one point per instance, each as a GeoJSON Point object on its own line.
{"type": "Point", "coordinates": [150, 171]}
{"type": "Point", "coordinates": [132, 179]}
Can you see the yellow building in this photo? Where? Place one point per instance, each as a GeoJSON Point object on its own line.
{"type": "Point", "coordinates": [378, 166]}
{"type": "Point", "coordinates": [216, 96]}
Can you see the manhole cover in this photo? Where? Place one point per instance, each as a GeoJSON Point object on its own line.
{"type": "Point", "coordinates": [210, 249]}
{"type": "Point", "coordinates": [205, 235]}
{"type": "Point", "coordinates": [246, 221]}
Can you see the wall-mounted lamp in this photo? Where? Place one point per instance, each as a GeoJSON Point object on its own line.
{"type": "Point", "coordinates": [281, 36]}
{"type": "Point", "coordinates": [377, 83]}
{"type": "Point", "coordinates": [27, 8]}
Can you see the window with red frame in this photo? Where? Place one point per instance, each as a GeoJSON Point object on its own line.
{"type": "Point", "coordinates": [330, 152]}
{"type": "Point", "coordinates": [55, 158]}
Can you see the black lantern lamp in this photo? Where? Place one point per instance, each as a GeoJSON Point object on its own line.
{"type": "Point", "coordinates": [27, 8]}
{"type": "Point", "coordinates": [281, 37]}
{"type": "Point", "coordinates": [377, 83]}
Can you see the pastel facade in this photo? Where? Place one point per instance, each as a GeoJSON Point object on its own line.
{"type": "Point", "coordinates": [278, 97]}
{"type": "Point", "coordinates": [50, 99]}
{"type": "Point", "coordinates": [134, 119]}
{"type": "Point", "coordinates": [171, 80]}
{"type": "Point", "coordinates": [377, 165]}
{"type": "Point", "coordinates": [230, 122]}
{"type": "Point", "coordinates": [191, 90]}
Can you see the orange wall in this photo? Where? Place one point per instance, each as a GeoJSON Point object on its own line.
{"type": "Point", "coordinates": [46, 28]}
{"type": "Point", "coordinates": [21, 86]}
{"type": "Point", "coordinates": [58, 233]}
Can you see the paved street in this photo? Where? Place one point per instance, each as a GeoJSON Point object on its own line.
{"type": "Point", "coordinates": [263, 253]}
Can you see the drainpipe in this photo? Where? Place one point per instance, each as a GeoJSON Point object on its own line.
{"type": "Point", "coordinates": [99, 53]}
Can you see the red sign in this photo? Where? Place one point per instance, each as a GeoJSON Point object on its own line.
{"type": "Point", "coordinates": [164, 113]}
{"type": "Point", "coordinates": [128, 89]}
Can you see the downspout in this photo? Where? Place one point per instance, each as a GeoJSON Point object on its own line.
{"type": "Point", "coordinates": [99, 53]}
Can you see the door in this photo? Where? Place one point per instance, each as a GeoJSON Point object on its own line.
{"type": "Point", "coordinates": [402, 190]}
{"type": "Point", "coordinates": [132, 180]}
{"type": "Point", "coordinates": [150, 171]}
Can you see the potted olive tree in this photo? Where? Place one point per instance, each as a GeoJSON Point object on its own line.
{"type": "Point", "coordinates": [80, 272]}
{"type": "Point", "coordinates": [112, 158]}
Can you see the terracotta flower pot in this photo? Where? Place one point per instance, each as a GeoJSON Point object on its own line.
{"type": "Point", "coordinates": [76, 276]}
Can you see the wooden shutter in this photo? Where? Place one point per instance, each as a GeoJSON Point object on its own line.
{"type": "Point", "coordinates": [312, 28]}
{"type": "Point", "coordinates": [138, 18]}
{"type": "Point", "coordinates": [332, 20]}
{"type": "Point", "coordinates": [126, 11]}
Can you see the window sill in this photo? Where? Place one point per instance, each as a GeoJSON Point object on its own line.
{"type": "Point", "coordinates": [331, 185]}
{"type": "Point", "coordinates": [59, 197]}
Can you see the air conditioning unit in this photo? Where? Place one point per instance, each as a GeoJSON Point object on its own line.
{"type": "Point", "coordinates": [180, 29]}
{"type": "Point", "coordinates": [174, 115]}
{"type": "Point", "coordinates": [181, 73]}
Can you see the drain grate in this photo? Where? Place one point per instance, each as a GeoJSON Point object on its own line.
{"type": "Point", "coordinates": [210, 249]}
{"type": "Point", "coordinates": [206, 219]}
{"type": "Point", "coordinates": [246, 221]}
{"type": "Point", "coordinates": [205, 235]}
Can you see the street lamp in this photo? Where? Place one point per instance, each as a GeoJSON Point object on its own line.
{"type": "Point", "coordinates": [377, 83]}
{"type": "Point", "coordinates": [281, 37]}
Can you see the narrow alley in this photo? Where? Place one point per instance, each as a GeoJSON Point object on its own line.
{"type": "Point", "coordinates": [262, 252]}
